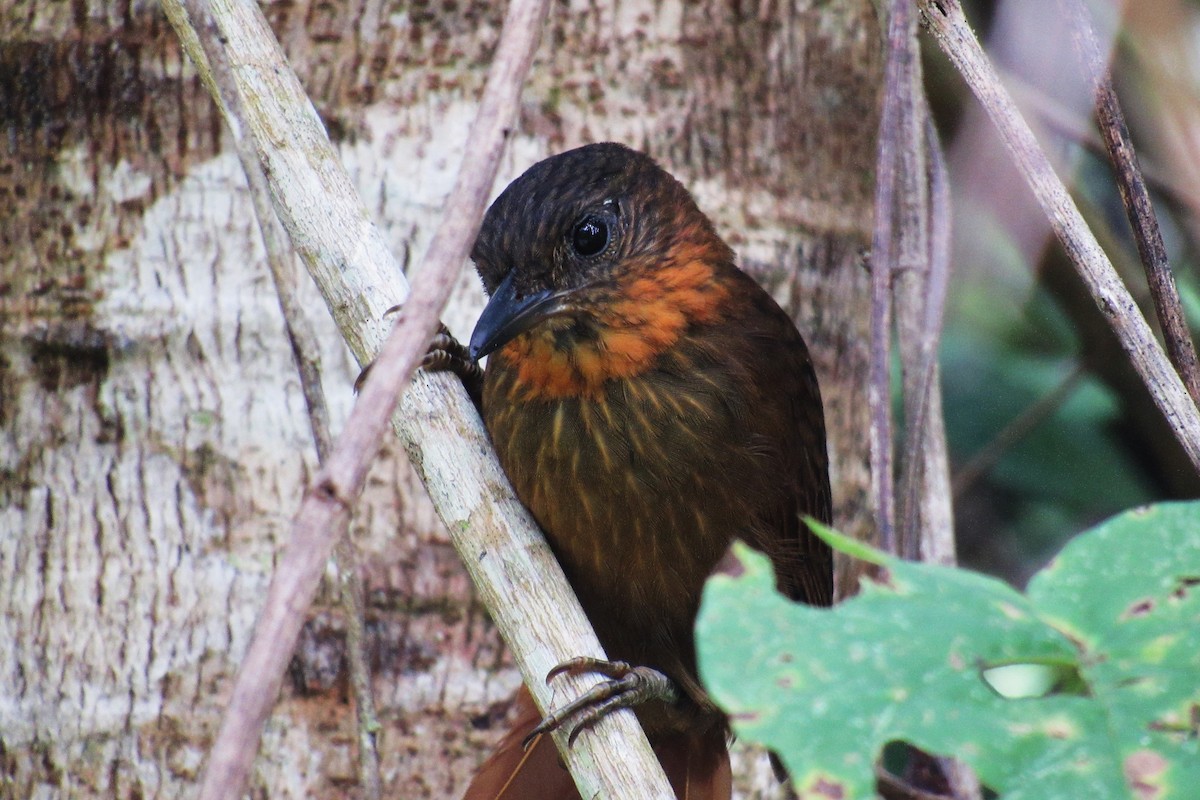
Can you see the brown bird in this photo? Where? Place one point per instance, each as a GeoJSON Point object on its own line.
{"type": "Point", "coordinates": [650, 403]}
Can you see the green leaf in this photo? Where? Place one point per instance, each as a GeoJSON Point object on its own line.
{"type": "Point", "coordinates": [1118, 612]}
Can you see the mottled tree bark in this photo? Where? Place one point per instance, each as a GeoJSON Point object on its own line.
{"type": "Point", "coordinates": [153, 444]}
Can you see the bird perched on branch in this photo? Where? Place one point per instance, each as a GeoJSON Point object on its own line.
{"type": "Point", "coordinates": [650, 403]}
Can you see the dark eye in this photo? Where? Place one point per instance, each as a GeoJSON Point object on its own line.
{"type": "Point", "coordinates": [590, 236]}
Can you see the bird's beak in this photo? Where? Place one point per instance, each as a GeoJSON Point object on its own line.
{"type": "Point", "coordinates": [507, 316]}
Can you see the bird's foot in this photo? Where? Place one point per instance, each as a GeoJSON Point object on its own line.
{"type": "Point", "coordinates": [627, 686]}
{"type": "Point", "coordinates": [445, 354]}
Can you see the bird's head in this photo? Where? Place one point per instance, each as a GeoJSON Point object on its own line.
{"type": "Point", "coordinates": [597, 259]}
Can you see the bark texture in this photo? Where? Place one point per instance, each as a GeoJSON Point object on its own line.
{"type": "Point", "coordinates": [152, 438]}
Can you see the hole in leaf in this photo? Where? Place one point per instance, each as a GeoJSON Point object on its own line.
{"type": "Point", "coordinates": [894, 757]}
{"type": "Point", "coordinates": [1023, 681]}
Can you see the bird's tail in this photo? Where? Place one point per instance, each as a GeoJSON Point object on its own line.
{"type": "Point", "coordinates": [696, 764]}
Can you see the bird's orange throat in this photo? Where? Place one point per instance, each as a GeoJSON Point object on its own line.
{"type": "Point", "coordinates": [645, 315]}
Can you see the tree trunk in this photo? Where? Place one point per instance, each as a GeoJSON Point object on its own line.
{"type": "Point", "coordinates": [153, 438]}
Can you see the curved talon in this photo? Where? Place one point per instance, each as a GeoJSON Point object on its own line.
{"type": "Point", "coordinates": [582, 664]}
{"type": "Point", "coordinates": [362, 377]}
{"type": "Point", "coordinates": [627, 686]}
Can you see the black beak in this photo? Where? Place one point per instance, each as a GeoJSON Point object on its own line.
{"type": "Point", "coordinates": [507, 316]}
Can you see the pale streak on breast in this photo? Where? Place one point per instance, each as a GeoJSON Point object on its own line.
{"type": "Point", "coordinates": [557, 427]}
{"type": "Point", "coordinates": [607, 411]}
{"type": "Point", "coordinates": [598, 433]}
{"type": "Point", "coordinates": [678, 409]}
{"type": "Point", "coordinates": [701, 410]}
{"type": "Point", "coordinates": [653, 398]}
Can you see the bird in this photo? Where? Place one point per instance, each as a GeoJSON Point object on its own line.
{"type": "Point", "coordinates": [650, 403]}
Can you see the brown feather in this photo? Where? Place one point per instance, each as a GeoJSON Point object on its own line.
{"type": "Point", "coordinates": [514, 773]}
{"type": "Point", "coordinates": [696, 766]}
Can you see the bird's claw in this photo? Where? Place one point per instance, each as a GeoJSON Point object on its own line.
{"type": "Point", "coordinates": [627, 686]}
{"type": "Point", "coordinates": [445, 354]}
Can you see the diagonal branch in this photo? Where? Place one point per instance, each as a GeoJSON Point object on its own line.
{"type": "Point", "coordinates": [306, 354]}
{"type": "Point", "coordinates": [949, 26]}
{"type": "Point", "coordinates": [1175, 191]}
{"type": "Point", "coordinates": [515, 572]}
{"type": "Point", "coordinates": [1136, 198]}
{"type": "Point", "coordinates": [1038, 412]}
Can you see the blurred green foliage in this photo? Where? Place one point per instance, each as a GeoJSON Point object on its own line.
{"type": "Point", "coordinates": [1115, 616]}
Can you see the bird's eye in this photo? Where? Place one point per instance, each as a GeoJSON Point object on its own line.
{"type": "Point", "coordinates": [590, 236]}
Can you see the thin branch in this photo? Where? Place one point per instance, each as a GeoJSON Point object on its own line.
{"type": "Point", "coordinates": [516, 574]}
{"type": "Point", "coordinates": [904, 265]}
{"type": "Point", "coordinates": [912, 268]}
{"type": "Point", "coordinates": [1176, 193]}
{"type": "Point", "coordinates": [927, 502]}
{"type": "Point", "coordinates": [949, 26]}
{"type": "Point", "coordinates": [1136, 199]}
{"type": "Point", "coordinates": [886, 247]}
{"type": "Point", "coordinates": [306, 354]}
{"type": "Point", "coordinates": [1012, 433]}
{"type": "Point", "coordinates": [925, 513]}
{"type": "Point", "coordinates": [353, 600]}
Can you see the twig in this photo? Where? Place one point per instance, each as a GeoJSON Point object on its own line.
{"type": "Point", "coordinates": [1176, 193]}
{"type": "Point", "coordinates": [948, 24]}
{"type": "Point", "coordinates": [1136, 199]}
{"type": "Point", "coordinates": [516, 574]}
{"type": "Point", "coordinates": [1015, 431]}
{"type": "Point", "coordinates": [905, 265]}
{"type": "Point", "coordinates": [912, 267]}
{"type": "Point", "coordinates": [927, 509]}
{"type": "Point", "coordinates": [925, 515]}
{"type": "Point", "coordinates": [353, 600]}
{"type": "Point", "coordinates": [886, 247]}
{"type": "Point", "coordinates": [306, 354]}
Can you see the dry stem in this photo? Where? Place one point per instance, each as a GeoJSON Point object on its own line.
{"type": "Point", "coordinates": [1136, 199]}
